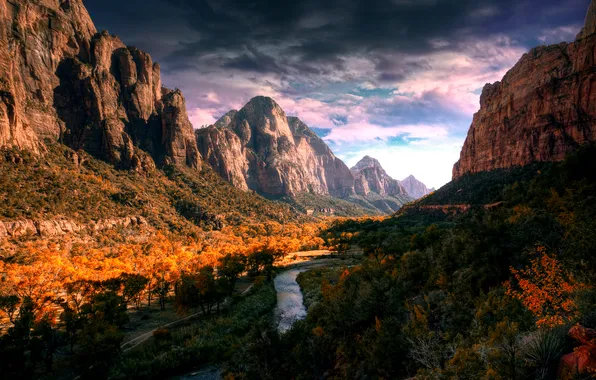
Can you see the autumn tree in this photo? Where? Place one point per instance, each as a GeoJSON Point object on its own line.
{"type": "Point", "coordinates": [546, 289]}
{"type": "Point", "coordinates": [260, 262]}
{"type": "Point", "coordinates": [230, 267]}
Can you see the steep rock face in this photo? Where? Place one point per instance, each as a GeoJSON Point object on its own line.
{"type": "Point", "coordinates": [590, 23]}
{"type": "Point", "coordinates": [63, 81]}
{"type": "Point", "coordinates": [373, 186]}
{"type": "Point", "coordinates": [544, 108]}
{"type": "Point", "coordinates": [320, 162]}
{"type": "Point", "coordinates": [415, 188]}
{"type": "Point", "coordinates": [369, 176]}
{"type": "Point", "coordinates": [48, 228]}
{"type": "Point", "coordinates": [224, 152]}
{"type": "Point", "coordinates": [35, 36]}
{"type": "Point", "coordinates": [260, 149]}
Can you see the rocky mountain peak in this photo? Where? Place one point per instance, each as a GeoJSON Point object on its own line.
{"type": "Point", "coordinates": [543, 108]}
{"type": "Point", "coordinates": [262, 149]}
{"type": "Point", "coordinates": [367, 162]}
{"type": "Point", "coordinates": [369, 176]}
{"type": "Point", "coordinates": [415, 188]}
{"type": "Point", "coordinates": [261, 118]}
{"type": "Point", "coordinates": [63, 81]}
{"type": "Point", "coordinates": [226, 119]}
{"type": "Point", "coordinates": [590, 23]}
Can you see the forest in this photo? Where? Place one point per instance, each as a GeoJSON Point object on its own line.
{"type": "Point", "coordinates": [64, 303]}
{"type": "Point", "coordinates": [489, 293]}
{"type": "Point", "coordinates": [485, 291]}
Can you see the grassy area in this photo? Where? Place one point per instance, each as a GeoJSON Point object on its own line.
{"type": "Point", "coordinates": [203, 341]}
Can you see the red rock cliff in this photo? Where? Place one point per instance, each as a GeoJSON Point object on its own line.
{"type": "Point", "coordinates": [543, 109]}
{"type": "Point", "coordinates": [60, 80]}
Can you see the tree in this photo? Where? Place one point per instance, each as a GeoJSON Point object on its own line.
{"type": "Point", "coordinates": [197, 290]}
{"type": "Point", "coordinates": [100, 337]}
{"type": "Point", "coordinates": [230, 267]}
{"type": "Point", "coordinates": [261, 262]}
{"type": "Point", "coordinates": [162, 289]}
{"type": "Point", "coordinates": [134, 284]}
{"type": "Point", "coordinates": [546, 289]}
{"type": "Point", "coordinates": [10, 306]}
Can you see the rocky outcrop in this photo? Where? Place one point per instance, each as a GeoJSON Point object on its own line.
{"type": "Point", "coordinates": [582, 361]}
{"type": "Point", "coordinates": [50, 228]}
{"type": "Point", "coordinates": [377, 188]}
{"type": "Point", "coordinates": [369, 176]}
{"type": "Point", "coordinates": [590, 23]}
{"type": "Point", "coordinates": [415, 188]}
{"type": "Point", "coordinates": [261, 149]}
{"type": "Point", "coordinates": [544, 108]}
{"type": "Point", "coordinates": [63, 81]}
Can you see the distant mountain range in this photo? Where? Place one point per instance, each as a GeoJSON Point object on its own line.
{"type": "Point", "coordinates": [259, 148]}
{"type": "Point", "coordinates": [415, 188]}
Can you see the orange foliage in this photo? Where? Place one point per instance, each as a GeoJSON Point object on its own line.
{"type": "Point", "coordinates": [49, 267]}
{"type": "Point", "coordinates": [546, 290]}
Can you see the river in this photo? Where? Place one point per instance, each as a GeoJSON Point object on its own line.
{"type": "Point", "coordinates": [290, 303]}
{"type": "Point", "coordinates": [290, 306]}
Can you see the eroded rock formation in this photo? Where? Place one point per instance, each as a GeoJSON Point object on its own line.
{"type": "Point", "coordinates": [374, 185]}
{"type": "Point", "coordinates": [544, 108]}
{"type": "Point", "coordinates": [415, 188]}
{"type": "Point", "coordinates": [369, 176]}
{"type": "Point", "coordinates": [582, 361]}
{"type": "Point", "coordinates": [261, 149]}
{"type": "Point", "coordinates": [62, 81]}
{"type": "Point", "coordinates": [49, 228]}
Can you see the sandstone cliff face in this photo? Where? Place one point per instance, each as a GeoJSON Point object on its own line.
{"type": "Point", "coordinates": [369, 176]}
{"type": "Point", "coordinates": [415, 188]}
{"type": "Point", "coordinates": [260, 149]}
{"type": "Point", "coordinates": [63, 81]}
{"type": "Point", "coordinates": [49, 228]}
{"type": "Point", "coordinates": [544, 108]}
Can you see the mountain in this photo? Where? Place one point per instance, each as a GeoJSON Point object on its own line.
{"type": "Point", "coordinates": [90, 137]}
{"type": "Point", "coordinates": [375, 186]}
{"type": "Point", "coordinates": [369, 176]}
{"type": "Point", "coordinates": [415, 188]}
{"type": "Point", "coordinates": [259, 148]}
{"type": "Point", "coordinates": [543, 109]}
{"type": "Point", "coordinates": [61, 81]}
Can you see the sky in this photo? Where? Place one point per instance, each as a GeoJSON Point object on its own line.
{"type": "Point", "coordinates": [398, 80]}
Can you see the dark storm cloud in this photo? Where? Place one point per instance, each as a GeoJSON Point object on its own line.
{"type": "Point", "coordinates": [367, 72]}
{"type": "Point", "coordinates": [254, 60]}
{"type": "Point", "coordinates": [325, 30]}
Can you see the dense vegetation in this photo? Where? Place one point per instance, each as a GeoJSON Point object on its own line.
{"type": "Point", "coordinates": [63, 304]}
{"type": "Point", "coordinates": [62, 183]}
{"type": "Point", "coordinates": [206, 341]}
{"type": "Point", "coordinates": [487, 291]}
{"type": "Point", "coordinates": [324, 205]}
{"type": "Point", "coordinates": [484, 294]}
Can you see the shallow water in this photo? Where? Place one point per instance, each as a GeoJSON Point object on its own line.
{"type": "Point", "coordinates": [290, 306]}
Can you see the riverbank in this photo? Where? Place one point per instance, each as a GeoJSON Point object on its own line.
{"type": "Point", "coordinates": [294, 296]}
{"type": "Point", "coordinates": [202, 345]}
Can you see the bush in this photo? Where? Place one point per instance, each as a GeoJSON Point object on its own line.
{"type": "Point", "coordinates": [543, 350]}
{"type": "Point", "coordinates": [162, 334]}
